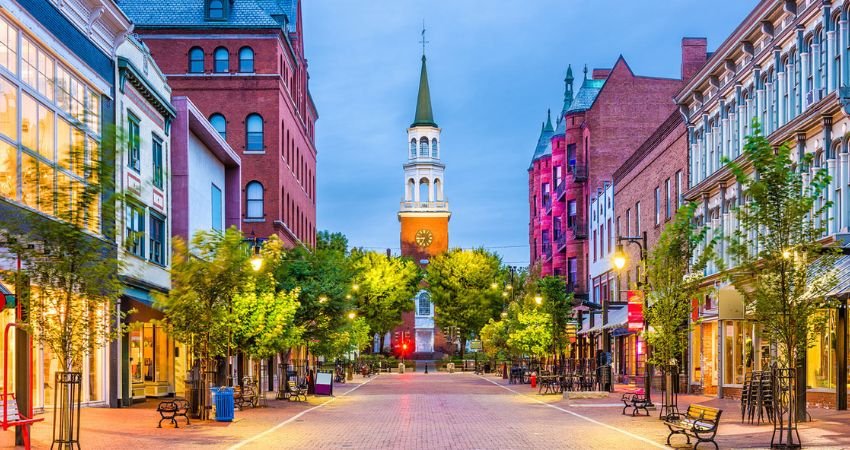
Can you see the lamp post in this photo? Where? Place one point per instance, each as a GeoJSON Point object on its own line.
{"type": "Point", "coordinates": [620, 262]}
{"type": "Point", "coordinates": [256, 262]}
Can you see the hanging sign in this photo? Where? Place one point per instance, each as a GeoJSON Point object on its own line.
{"type": "Point", "coordinates": [635, 310]}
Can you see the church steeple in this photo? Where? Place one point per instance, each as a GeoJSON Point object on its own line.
{"type": "Point", "coordinates": [424, 115]}
{"type": "Point", "coordinates": [568, 90]}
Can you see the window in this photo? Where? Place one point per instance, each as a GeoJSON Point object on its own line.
{"type": "Point", "coordinates": [434, 153]}
{"type": "Point", "coordinates": [196, 60]}
{"type": "Point", "coordinates": [657, 205]}
{"type": "Point", "coordinates": [254, 200]}
{"type": "Point", "coordinates": [667, 205]}
{"type": "Point", "coordinates": [423, 146]}
{"type": "Point", "coordinates": [424, 304]}
{"type": "Point", "coordinates": [572, 271]}
{"type": "Point", "coordinates": [135, 230]}
{"type": "Point", "coordinates": [608, 230]}
{"type": "Point", "coordinates": [571, 157]}
{"type": "Point", "coordinates": [215, 10]}
{"type": "Point", "coordinates": [157, 162]}
{"type": "Point", "coordinates": [8, 169]}
{"type": "Point", "coordinates": [221, 60]}
{"type": "Point", "coordinates": [679, 195]}
{"type": "Point", "coordinates": [246, 60]}
{"type": "Point", "coordinates": [157, 238]}
{"type": "Point", "coordinates": [8, 46]}
{"type": "Point", "coordinates": [37, 68]}
{"type": "Point", "coordinates": [637, 217]}
{"type": "Point", "coordinates": [9, 99]}
{"type": "Point", "coordinates": [413, 148]}
{"type": "Point", "coordinates": [220, 124]}
{"type": "Point", "coordinates": [571, 214]}
{"type": "Point", "coordinates": [215, 208]}
{"type": "Point", "coordinates": [254, 133]}
{"type": "Point", "coordinates": [133, 142]}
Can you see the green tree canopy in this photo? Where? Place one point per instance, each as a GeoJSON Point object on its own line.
{"type": "Point", "coordinates": [531, 332]}
{"type": "Point", "coordinates": [461, 287]}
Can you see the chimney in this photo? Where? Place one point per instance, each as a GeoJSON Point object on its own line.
{"type": "Point", "coordinates": [600, 74]}
{"type": "Point", "coordinates": [694, 56]}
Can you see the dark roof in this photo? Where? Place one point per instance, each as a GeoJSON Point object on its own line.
{"type": "Point", "coordinates": [190, 14]}
{"type": "Point", "coordinates": [544, 142]}
{"type": "Point", "coordinates": [424, 115]}
{"type": "Point", "coordinates": [586, 95]}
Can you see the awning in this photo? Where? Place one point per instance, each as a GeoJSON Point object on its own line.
{"type": "Point", "coordinates": [616, 319]}
{"type": "Point", "coordinates": [842, 275]}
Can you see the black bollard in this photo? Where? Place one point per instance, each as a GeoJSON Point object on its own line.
{"type": "Point", "coordinates": [426, 367]}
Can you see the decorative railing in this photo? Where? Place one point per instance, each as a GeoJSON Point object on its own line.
{"type": "Point", "coordinates": [427, 206]}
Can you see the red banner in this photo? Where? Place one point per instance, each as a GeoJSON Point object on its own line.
{"type": "Point", "coordinates": [694, 310]}
{"type": "Point", "coordinates": [635, 310]}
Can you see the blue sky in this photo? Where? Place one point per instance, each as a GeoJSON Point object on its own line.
{"type": "Point", "coordinates": [494, 69]}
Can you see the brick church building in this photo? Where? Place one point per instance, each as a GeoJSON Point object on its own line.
{"type": "Point", "coordinates": [241, 62]}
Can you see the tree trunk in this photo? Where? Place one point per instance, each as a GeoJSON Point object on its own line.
{"type": "Point", "coordinates": [380, 343]}
{"type": "Point", "coordinates": [462, 348]}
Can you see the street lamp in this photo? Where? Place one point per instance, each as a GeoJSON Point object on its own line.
{"type": "Point", "coordinates": [352, 315]}
{"type": "Point", "coordinates": [538, 299]}
{"type": "Point", "coordinates": [619, 261]}
{"type": "Point", "coordinates": [322, 299]}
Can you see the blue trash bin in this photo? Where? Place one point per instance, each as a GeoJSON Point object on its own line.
{"type": "Point", "coordinates": [223, 401]}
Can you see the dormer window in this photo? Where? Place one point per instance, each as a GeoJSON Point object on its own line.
{"type": "Point", "coordinates": [217, 9]}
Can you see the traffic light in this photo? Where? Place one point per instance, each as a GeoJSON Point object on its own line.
{"type": "Point", "coordinates": [404, 346]}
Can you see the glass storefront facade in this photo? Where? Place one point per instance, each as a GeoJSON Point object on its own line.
{"type": "Point", "coordinates": [821, 357]}
{"type": "Point", "coordinates": [157, 363]}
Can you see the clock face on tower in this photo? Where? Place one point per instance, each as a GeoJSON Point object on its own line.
{"type": "Point", "coordinates": [424, 238]}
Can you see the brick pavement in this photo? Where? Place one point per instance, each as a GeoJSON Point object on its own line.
{"type": "Point", "coordinates": [437, 410]}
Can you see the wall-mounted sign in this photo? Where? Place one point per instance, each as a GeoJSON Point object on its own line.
{"type": "Point", "coordinates": [635, 310]}
{"type": "Point", "coordinates": [730, 303]}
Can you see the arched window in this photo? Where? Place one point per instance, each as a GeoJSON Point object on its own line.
{"type": "Point", "coordinates": [220, 124]}
{"type": "Point", "coordinates": [216, 9]}
{"type": "Point", "coordinates": [246, 60]}
{"type": "Point", "coordinates": [836, 52]}
{"type": "Point", "coordinates": [196, 60]}
{"type": "Point", "coordinates": [423, 146]}
{"type": "Point", "coordinates": [434, 153]}
{"type": "Point", "coordinates": [438, 190]}
{"type": "Point", "coordinates": [411, 190]}
{"type": "Point", "coordinates": [424, 195]}
{"type": "Point", "coordinates": [221, 60]}
{"type": "Point", "coordinates": [254, 133]}
{"type": "Point", "coordinates": [254, 200]}
{"type": "Point", "coordinates": [423, 304]}
{"type": "Point", "coordinates": [413, 148]}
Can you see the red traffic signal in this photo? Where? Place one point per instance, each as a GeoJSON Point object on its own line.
{"type": "Point", "coordinates": [404, 346]}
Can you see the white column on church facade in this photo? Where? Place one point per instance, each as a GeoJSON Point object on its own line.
{"type": "Point", "coordinates": [804, 73]}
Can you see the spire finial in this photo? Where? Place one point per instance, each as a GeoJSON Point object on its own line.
{"type": "Point", "coordinates": [569, 78]}
{"type": "Point", "coordinates": [548, 127]}
{"type": "Point", "coordinates": [423, 41]}
{"type": "Point", "coordinates": [585, 71]}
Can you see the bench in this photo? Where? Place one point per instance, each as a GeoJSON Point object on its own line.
{"type": "Point", "coordinates": [14, 418]}
{"type": "Point", "coordinates": [244, 395]}
{"type": "Point", "coordinates": [167, 411]}
{"type": "Point", "coordinates": [299, 393]}
{"type": "Point", "coordinates": [699, 422]}
{"type": "Point", "coordinates": [183, 408]}
{"type": "Point", "coordinates": [635, 400]}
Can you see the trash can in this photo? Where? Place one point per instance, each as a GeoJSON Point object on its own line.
{"type": "Point", "coordinates": [400, 367]}
{"type": "Point", "coordinates": [223, 401]}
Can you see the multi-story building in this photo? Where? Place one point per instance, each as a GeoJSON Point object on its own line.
{"type": "Point", "coordinates": [242, 63]}
{"type": "Point", "coordinates": [57, 100]}
{"type": "Point", "coordinates": [143, 121]}
{"type": "Point", "coordinates": [786, 65]}
{"type": "Point", "coordinates": [595, 133]}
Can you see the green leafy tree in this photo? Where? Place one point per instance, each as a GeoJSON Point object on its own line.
{"type": "Point", "coordinates": [558, 304]}
{"type": "Point", "coordinates": [385, 289]}
{"type": "Point", "coordinates": [673, 284]}
{"type": "Point", "coordinates": [783, 271]}
{"type": "Point", "coordinates": [206, 276]}
{"type": "Point", "coordinates": [531, 332]}
{"type": "Point", "coordinates": [494, 338]}
{"type": "Point", "coordinates": [350, 338]}
{"type": "Point", "coordinates": [461, 287]}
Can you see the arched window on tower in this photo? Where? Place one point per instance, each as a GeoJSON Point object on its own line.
{"type": "Point", "coordinates": [412, 148]}
{"type": "Point", "coordinates": [220, 124]}
{"type": "Point", "coordinates": [424, 195]}
{"type": "Point", "coordinates": [438, 189]}
{"type": "Point", "coordinates": [423, 146]}
{"type": "Point", "coordinates": [423, 304]}
{"type": "Point", "coordinates": [411, 190]}
{"type": "Point", "coordinates": [254, 133]}
{"type": "Point", "coordinates": [196, 60]}
{"type": "Point", "coordinates": [246, 60]}
{"type": "Point", "coordinates": [434, 148]}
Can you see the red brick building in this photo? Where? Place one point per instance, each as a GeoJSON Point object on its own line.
{"type": "Point", "coordinates": [242, 63]}
{"type": "Point", "coordinates": [612, 113]}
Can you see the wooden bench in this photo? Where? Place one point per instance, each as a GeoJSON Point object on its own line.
{"type": "Point", "coordinates": [245, 395]}
{"type": "Point", "coordinates": [699, 421]}
{"type": "Point", "coordinates": [14, 418]}
{"type": "Point", "coordinates": [635, 400]}
{"type": "Point", "coordinates": [296, 392]}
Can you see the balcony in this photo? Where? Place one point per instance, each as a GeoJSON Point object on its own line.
{"type": "Point", "coordinates": [425, 206]}
{"type": "Point", "coordinates": [560, 190]}
{"type": "Point", "coordinates": [547, 250]}
{"type": "Point", "coordinates": [561, 242]}
{"type": "Point", "coordinates": [579, 230]}
{"type": "Point", "coordinates": [579, 172]}
{"type": "Point", "coordinates": [576, 290]}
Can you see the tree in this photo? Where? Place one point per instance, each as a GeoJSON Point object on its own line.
{"type": "Point", "coordinates": [494, 339]}
{"type": "Point", "coordinates": [324, 278]}
{"type": "Point", "coordinates": [385, 289]}
{"type": "Point", "coordinates": [264, 317]}
{"type": "Point", "coordinates": [460, 283]}
{"type": "Point", "coordinates": [783, 271]}
{"type": "Point", "coordinates": [673, 284]}
{"type": "Point", "coordinates": [351, 337]}
{"type": "Point", "coordinates": [531, 333]}
{"type": "Point", "coordinates": [205, 279]}
{"type": "Point", "coordinates": [558, 304]}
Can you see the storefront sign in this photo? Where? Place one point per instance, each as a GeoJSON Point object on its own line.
{"type": "Point", "coordinates": [324, 383]}
{"type": "Point", "coordinates": [694, 310]}
{"type": "Point", "coordinates": [730, 303]}
{"type": "Point", "coordinates": [635, 310]}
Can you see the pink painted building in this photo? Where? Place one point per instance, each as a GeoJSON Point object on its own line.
{"type": "Point", "coordinates": [599, 127]}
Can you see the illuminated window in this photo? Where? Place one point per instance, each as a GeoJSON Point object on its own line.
{"type": "Point", "coordinates": [8, 108]}
{"type": "Point", "coordinates": [8, 170]}
{"type": "Point", "coordinates": [8, 46]}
